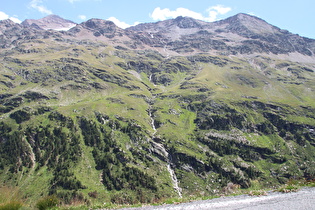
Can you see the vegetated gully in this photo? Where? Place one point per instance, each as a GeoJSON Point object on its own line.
{"type": "Point", "coordinates": [159, 146]}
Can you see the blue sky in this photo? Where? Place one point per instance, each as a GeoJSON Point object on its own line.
{"type": "Point", "coordinates": [297, 16]}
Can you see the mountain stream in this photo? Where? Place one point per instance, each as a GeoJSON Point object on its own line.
{"type": "Point", "coordinates": [160, 147]}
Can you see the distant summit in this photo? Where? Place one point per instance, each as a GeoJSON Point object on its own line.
{"type": "Point", "coordinates": [166, 25]}
{"type": "Point", "coordinates": [248, 25]}
{"type": "Point", "coordinates": [50, 22]}
{"type": "Point", "coordinates": [241, 34]}
{"type": "Point", "coordinates": [98, 27]}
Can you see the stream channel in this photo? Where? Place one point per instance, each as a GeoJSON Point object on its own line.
{"type": "Point", "coordinates": [167, 156]}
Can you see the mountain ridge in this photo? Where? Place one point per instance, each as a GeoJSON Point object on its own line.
{"type": "Point", "coordinates": [239, 34]}
{"type": "Point", "coordinates": [235, 18]}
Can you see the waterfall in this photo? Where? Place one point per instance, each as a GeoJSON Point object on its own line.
{"type": "Point", "coordinates": [174, 177]}
{"type": "Point", "coordinates": [162, 151]}
{"type": "Point", "coordinates": [152, 120]}
{"type": "Point", "coordinates": [150, 78]}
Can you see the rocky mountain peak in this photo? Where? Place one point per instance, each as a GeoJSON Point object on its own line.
{"type": "Point", "coordinates": [95, 23]}
{"type": "Point", "coordinates": [7, 28]}
{"type": "Point", "coordinates": [245, 24]}
{"type": "Point", "coordinates": [7, 23]}
{"type": "Point", "coordinates": [50, 22]}
{"type": "Point", "coordinates": [244, 17]}
{"type": "Point", "coordinates": [98, 27]}
{"type": "Point", "coordinates": [169, 25]}
{"type": "Point", "coordinates": [187, 22]}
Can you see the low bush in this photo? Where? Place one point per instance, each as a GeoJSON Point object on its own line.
{"type": "Point", "coordinates": [257, 193]}
{"type": "Point", "coordinates": [12, 205]}
{"type": "Point", "coordinates": [93, 194]}
{"type": "Point", "coordinates": [47, 202]}
{"type": "Point", "coordinates": [289, 188]}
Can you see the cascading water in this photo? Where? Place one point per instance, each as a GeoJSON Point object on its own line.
{"type": "Point", "coordinates": [152, 120]}
{"type": "Point", "coordinates": [174, 177]}
{"type": "Point", "coordinates": [167, 156]}
{"type": "Point", "coordinates": [150, 79]}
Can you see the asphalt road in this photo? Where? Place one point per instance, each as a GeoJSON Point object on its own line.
{"type": "Point", "coordinates": [303, 199]}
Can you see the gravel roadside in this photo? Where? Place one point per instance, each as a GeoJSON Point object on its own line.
{"type": "Point", "coordinates": [303, 199]}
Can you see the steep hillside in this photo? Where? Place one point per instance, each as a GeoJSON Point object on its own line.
{"type": "Point", "coordinates": [176, 108]}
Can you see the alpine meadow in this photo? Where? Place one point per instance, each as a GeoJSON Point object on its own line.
{"type": "Point", "coordinates": [99, 116]}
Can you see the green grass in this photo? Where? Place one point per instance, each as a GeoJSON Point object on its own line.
{"type": "Point", "coordinates": [85, 172]}
{"type": "Point", "coordinates": [227, 86]}
{"type": "Point", "coordinates": [9, 194]}
{"type": "Point", "coordinates": [35, 184]}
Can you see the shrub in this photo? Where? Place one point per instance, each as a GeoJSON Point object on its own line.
{"type": "Point", "coordinates": [72, 197]}
{"type": "Point", "coordinates": [257, 193]}
{"type": "Point", "coordinates": [47, 202]}
{"type": "Point", "coordinates": [93, 194]}
{"type": "Point", "coordinates": [12, 205]}
{"type": "Point", "coordinates": [124, 198]}
{"type": "Point", "coordinates": [289, 188]}
{"type": "Point", "coordinates": [20, 116]}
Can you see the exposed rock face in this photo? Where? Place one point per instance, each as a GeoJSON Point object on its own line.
{"type": "Point", "coordinates": [50, 22]}
{"type": "Point", "coordinates": [99, 28]}
{"type": "Point", "coordinates": [165, 26]}
{"type": "Point", "coordinates": [269, 38]}
{"type": "Point", "coordinates": [247, 25]}
{"type": "Point", "coordinates": [11, 33]}
{"type": "Point", "coordinates": [240, 34]}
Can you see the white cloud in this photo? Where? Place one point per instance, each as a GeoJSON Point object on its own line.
{"type": "Point", "coordinates": [16, 20]}
{"type": "Point", "coordinates": [213, 12]}
{"type": "Point", "coordinates": [252, 14]}
{"type": "Point", "coordinates": [163, 14]}
{"type": "Point", "coordinates": [4, 16]}
{"type": "Point", "coordinates": [37, 4]}
{"type": "Point", "coordinates": [121, 24]}
{"type": "Point", "coordinates": [82, 17]}
{"type": "Point", "coordinates": [72, 1]}
{"type": "Point", "coordinates": [220, 9]}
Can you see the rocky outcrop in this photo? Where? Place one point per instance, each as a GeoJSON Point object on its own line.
{"type": "Point", "coordinates": [99, 28]}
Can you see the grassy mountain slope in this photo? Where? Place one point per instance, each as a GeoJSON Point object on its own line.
{"type": "Point", "coordinates": [94, 123]}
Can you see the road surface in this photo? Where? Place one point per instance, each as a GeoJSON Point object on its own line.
{"type": "Point", "coordinates": [303, 199]}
